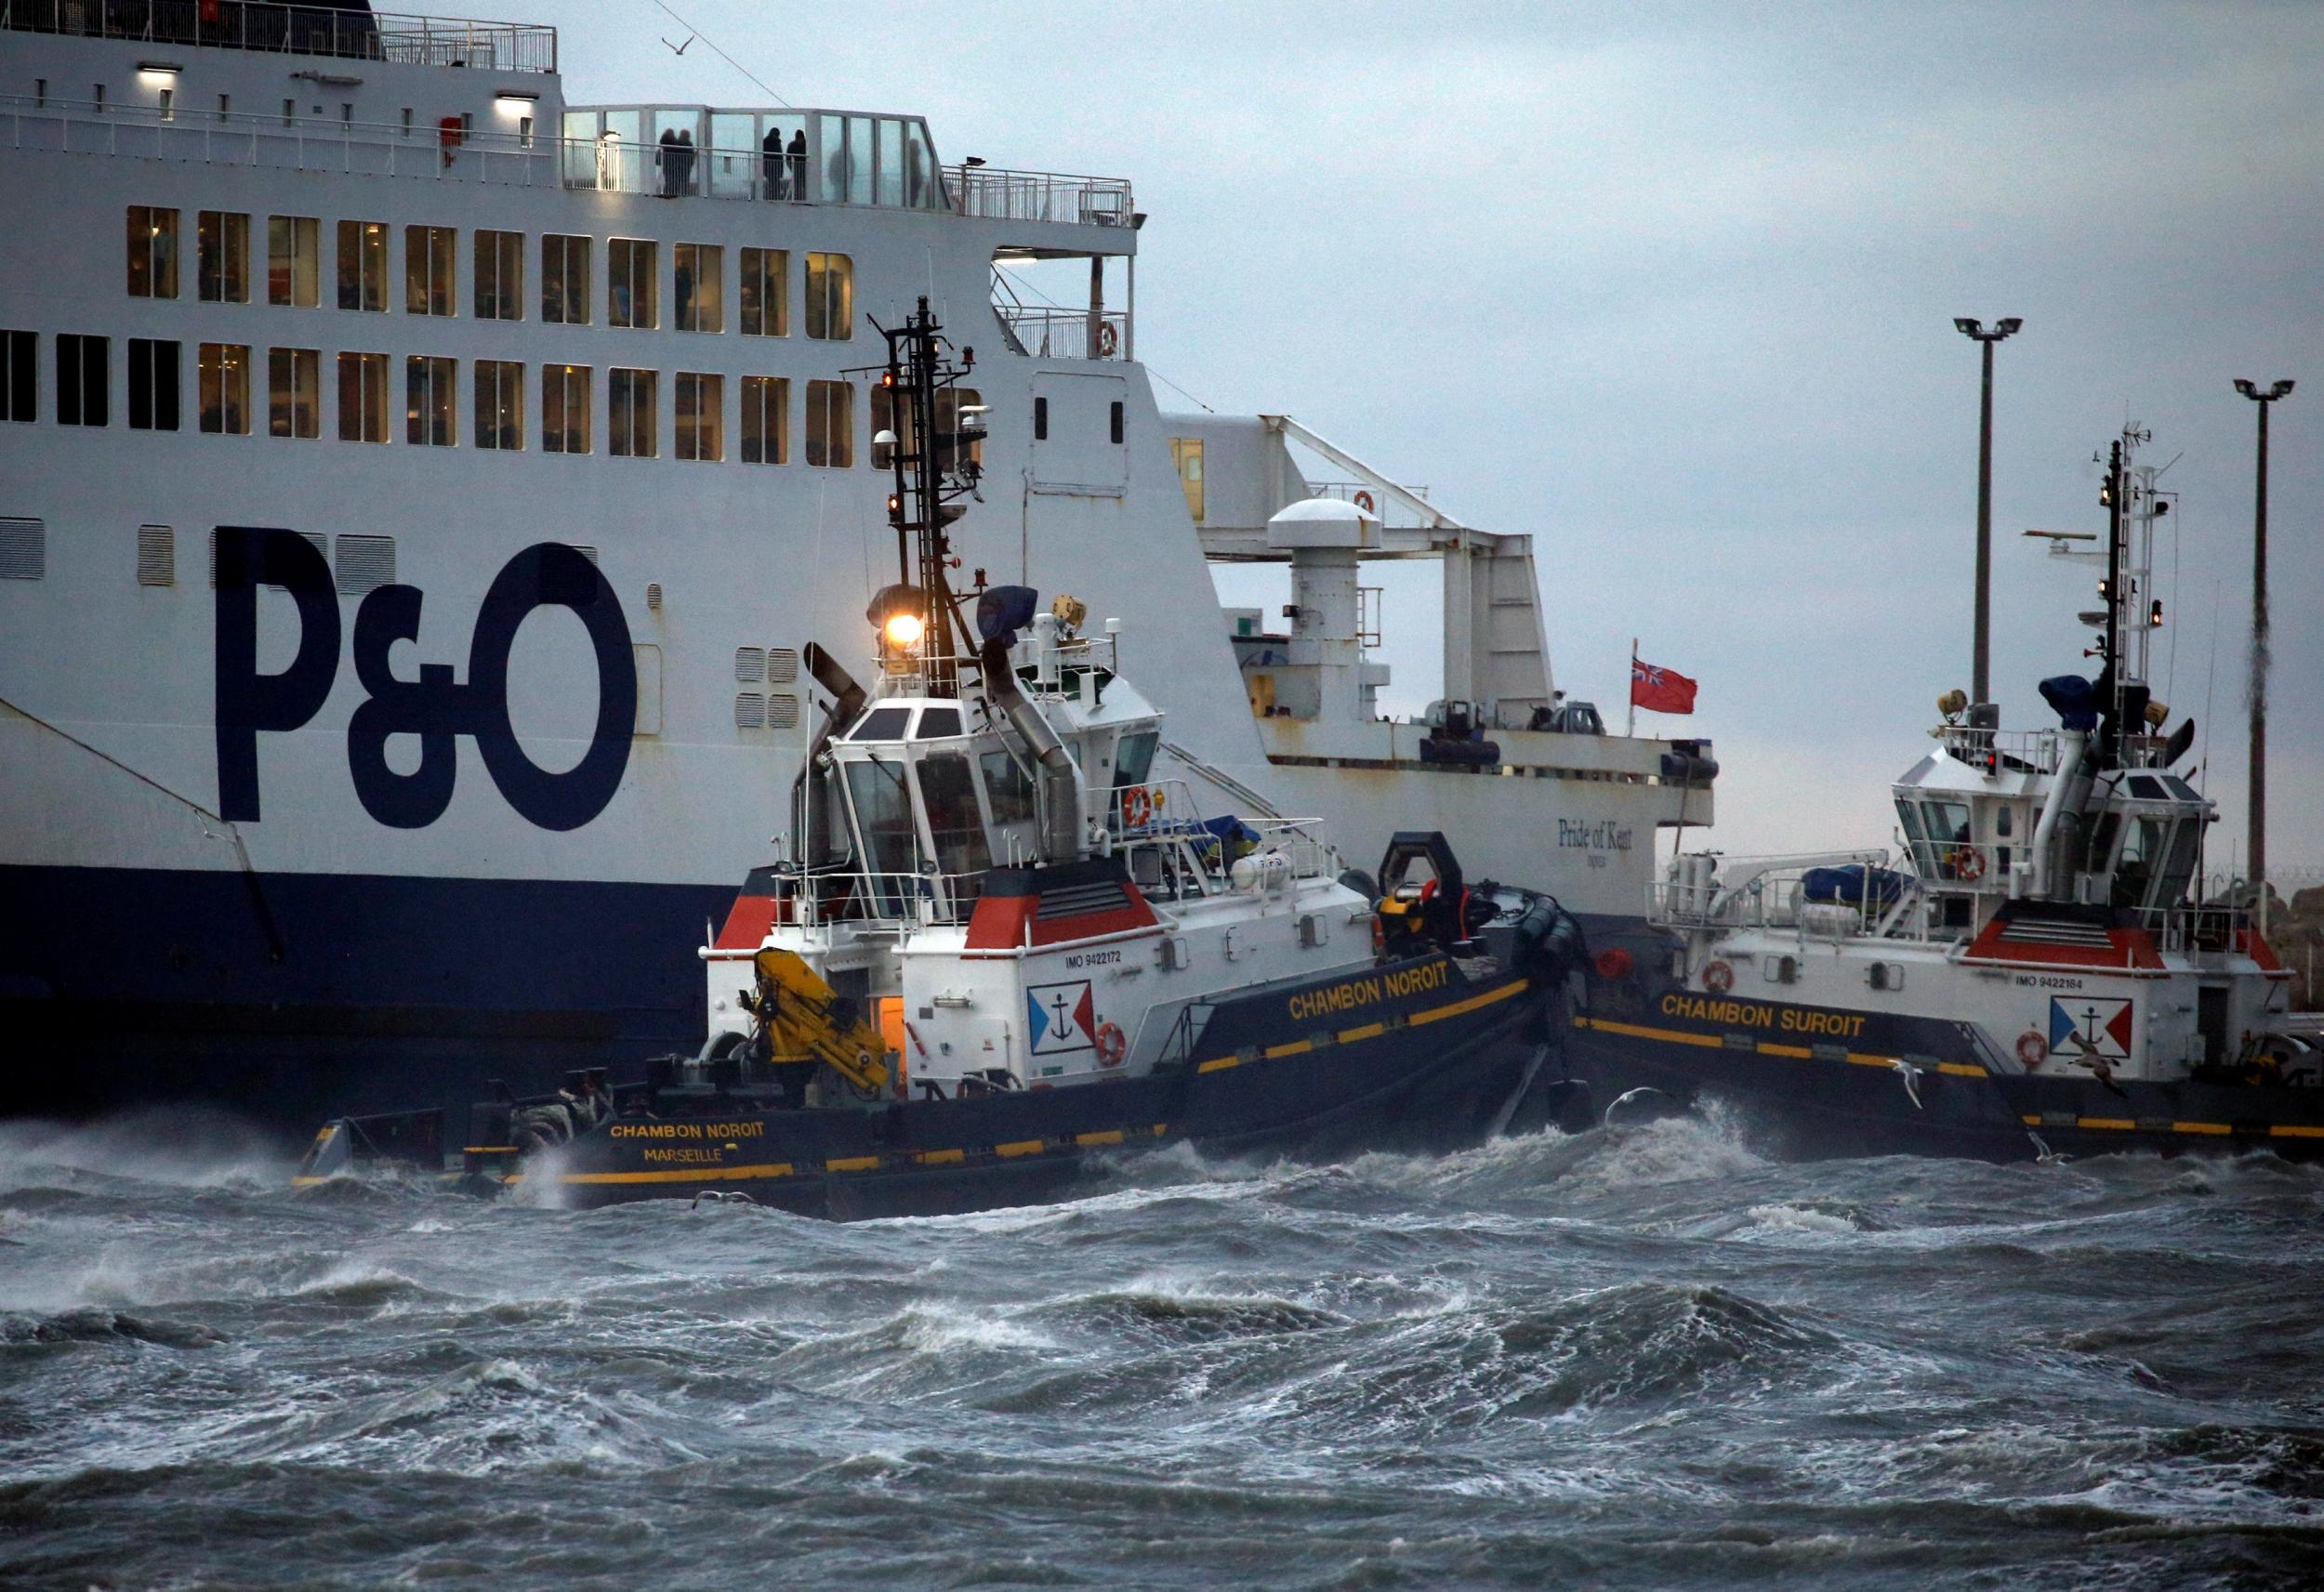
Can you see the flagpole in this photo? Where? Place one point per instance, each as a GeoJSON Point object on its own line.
{"type": "Point", "coordinates": [1632, 727]}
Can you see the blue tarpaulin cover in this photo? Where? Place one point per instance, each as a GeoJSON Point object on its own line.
{"type": "Point", "coordinates": [2075, 698]}
{"type": "Point", "coordinates": [1852, 884]}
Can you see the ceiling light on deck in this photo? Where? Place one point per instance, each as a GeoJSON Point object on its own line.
{"type": "Point", "coordinates": [159, 69]}
{"type": "Point", "coordinates": [903, 629]}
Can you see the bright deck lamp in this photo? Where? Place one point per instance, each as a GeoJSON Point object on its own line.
{"type": "Point", "coordinates": [903, 630]}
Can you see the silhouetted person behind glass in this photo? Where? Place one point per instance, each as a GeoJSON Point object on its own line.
{"type": "Point", "coordinates": [670, 163]}
{"type": "Point", "coordinates": [771, 166]}
{"type": "Point", "coordinates": [798, 164]}
{"type": "Point", "coordinates": [685, 162]}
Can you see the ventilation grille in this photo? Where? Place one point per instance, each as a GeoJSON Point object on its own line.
{"type": "Point", "coordinates": [750, 665]}
{"type": "Point", "coordinates": [157, 556]}
{"type": "Point", "coordinates": [588, 553]}
{"type": "Point", "coordinates": [750, 710]}
{"type": "Point", "coordinates": [782, 711]}
{"type": "Point", "coordinates": [782, 665]}
{"type": "Point", "coordinates": [23, 550]}
{"type": "Point", "coordinates": [365, 564]}
{"type": "Point", "coordinates": [314, 539]}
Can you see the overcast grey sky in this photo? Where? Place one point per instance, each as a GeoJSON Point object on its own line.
{"type": "Point", "coordinates": [1672, 287]}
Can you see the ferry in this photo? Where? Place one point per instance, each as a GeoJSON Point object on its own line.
{"type": "Point", "coordinates": [2038, 973]}
{"type": "Point", "coordinates": [372, 280]}
{"type": "Point", "coordinates": [996, 948]}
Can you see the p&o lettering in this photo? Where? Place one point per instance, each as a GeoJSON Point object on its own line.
{"type": "Point", "coordinates": [437, 708]}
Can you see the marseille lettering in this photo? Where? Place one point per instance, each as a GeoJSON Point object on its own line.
{"type": "Point", "coordinates": [437, 708]}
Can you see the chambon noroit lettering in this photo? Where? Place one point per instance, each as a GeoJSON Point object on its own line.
{"type": "Point", "coordinates": [1354, 992]}
{"type": "Point", "coordinates": [436, 707]}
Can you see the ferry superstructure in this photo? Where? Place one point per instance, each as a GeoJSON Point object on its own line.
{"type": "Point", "coordinates": [371, 278]}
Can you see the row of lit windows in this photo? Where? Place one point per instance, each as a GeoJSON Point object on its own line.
{"type": "Point", "coordinates": [294, 274]}
{"type": "Point", "coordinates": [294, 400]}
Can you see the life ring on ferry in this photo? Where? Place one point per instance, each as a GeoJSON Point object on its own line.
{"type": "Point", "coordinates": [2032, 1049]}
{"type": "Point", "coordinates": [1718, 978]}
{"type": "Point", "coordinates": [1364, 502]}
{"type": "Point", "coordinates": [1969, 866]}
{"type": "Point", "coordinates": [1137, 806]}
{"type": "Point", "coordinates": [1111, 1045]}
{"type": "Point", "coordinates": [1108, 339]}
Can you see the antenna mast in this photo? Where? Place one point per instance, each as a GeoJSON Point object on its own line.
{"type": "Point", "coordinates": [932, 456]}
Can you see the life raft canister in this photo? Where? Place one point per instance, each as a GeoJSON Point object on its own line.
{"type": "Point", "coordinates": [2032, 1049]}
{"type": "Point", "coordinates": [1718, 978]}
{"type": "Point", "coordinates": [1111, 1045]}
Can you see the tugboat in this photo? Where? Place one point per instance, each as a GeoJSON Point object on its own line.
{"type": "Point", "coordinates": [995, 947]}
{"type": "Point", "coordinates": [2032, 977]}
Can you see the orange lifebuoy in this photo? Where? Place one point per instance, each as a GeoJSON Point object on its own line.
{"type": "Point", "coordinates": [1718, 978]}
{"type": "Point", "coordinates": [1969, 865]}
{"type": "Point", "coordinates": [1137, 808]}
{"type": "Point", "coordinates": [1111, 1045]}
{"type": "Point", "coordinates": [1613, 963]}
{"type": "Point", "coordinates": [1108, 339]}
{"type": "Point", "coordinates": [1364, 502]}
{"type": "Point", "coordinates": [2032, 1049]}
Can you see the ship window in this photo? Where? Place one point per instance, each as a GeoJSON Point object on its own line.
{"type": "Point", "coordinates": [499, 275]}
{"type": "Point", "coordinates": [152, 252]}
{"type": "Point", "coordinates": [2002, 822]}
{"type": "Point", "coordinates": [883, 814]}
{"type": "Point", "coordinates": [2179, 866]}
{"type": "Point", "coordinates": [939, 723]}
{"type": "Point", "coordinates": [293, 272]}
{"type": "Point", "coordinates": [2147, 787]}
{"type": "Point", "coordinates": [565, 280]}
{"type": "Point", "coordinates": [428, 399]}
{"type": "Point", "coordinates": [2180, 788]}
{"type": "Point", "coordinates": [766, 293]}
{"type": "Point", "coordinates": [883, 724]}
{"type": "Point", "coordinates": [699, 281]}
{"type": "Point", "coordinates": [859, 160]}
{"type": "Point", "coordinates": [766, 420]}
{"type": "Point", "coordinates": [830, 297]}
{"type": "Point", "coordinates": [294, 384]}
{"type": "Point", "coordinates": [2142, 851]}
{"type": "Point", "coordinates": [221, 247]}
{"type": "Point", "coordinates": [955, 828]}
{"type": "Point", "coordinates": [889, 415]}
{"type": "Point", "coordinates": [225, 372]}
{"type": "Point", "coordinates": [428, 270]}
{"type": "Point", "coordinates": [831, 424]}
{"type": "Point", "coordinates": [629, 417]}
{"type": "Point", "coordinates": [500, 405]}
{"type": "Point", "coordinates": [19, 388]}
{"type": "Point", "coordinates": [629, 282]}
{"type": "Point", "coordinates": [153, 384]}
{"type": "Point", "coordinates": [1115, 422]}
{"type": "Point", "coordinates": [362, 265]}
{"type": "Point", "coordinates": [701, 417]}
{"type": "Point", "coordinates": [892, 160]}
{"type": "Point", "coordinates": [1040, 419]}
{"type": "Point", "coordinates": [949, 403]}
{"type": "Point", "coordinates": [1187, 454]}
{"type": "Point", "coordinates": [1007, 789]}
{"type": "Point", "coordinates": [565, 409]}
{"type": "Point", "coordinates": [1133, 760]}
{"type": "Point", "coordinates": [362, 397]}
{"type": "Point", "coordinates": [82, 362]}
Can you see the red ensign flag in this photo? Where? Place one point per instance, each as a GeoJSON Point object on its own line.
{"type": "Point", "coordinates": [1659, 691]}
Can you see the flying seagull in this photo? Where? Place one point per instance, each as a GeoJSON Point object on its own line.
{"type": "Point", "coordinates": [680, 49]}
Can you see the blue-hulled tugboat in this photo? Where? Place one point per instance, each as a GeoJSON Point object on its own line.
{"type": "Point", "coordinates": [998, 943]}
{"type": "Point", "coordinates": [2038, 974]}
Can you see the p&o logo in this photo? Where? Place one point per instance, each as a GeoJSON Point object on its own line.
{"type": "Point", "coordinates": [437, 708]}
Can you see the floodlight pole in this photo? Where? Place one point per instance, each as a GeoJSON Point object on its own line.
{"type": "Point", "coordinates": [1982, 631]}
{"type": "Point", "coordinates": [2257, 819]}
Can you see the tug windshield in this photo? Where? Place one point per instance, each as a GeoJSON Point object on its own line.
{"type": "Point", "coordinates": [883, 816]}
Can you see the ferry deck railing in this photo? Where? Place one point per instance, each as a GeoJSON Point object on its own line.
{"type": "Point", "coordinates": [489, 156]}
{"type": "Point", "coordinates": [402, 38]}
{"type": "Point", "coordinates": [991, 193]}
{"type": "Point", "coordinates": [1042, 333]}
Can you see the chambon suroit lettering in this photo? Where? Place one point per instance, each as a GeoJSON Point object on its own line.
{"type": "Point", "coordinates": [436, 707]}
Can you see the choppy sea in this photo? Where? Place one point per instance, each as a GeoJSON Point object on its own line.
{"type": "Point", "coordinates": [1642, 1358]}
